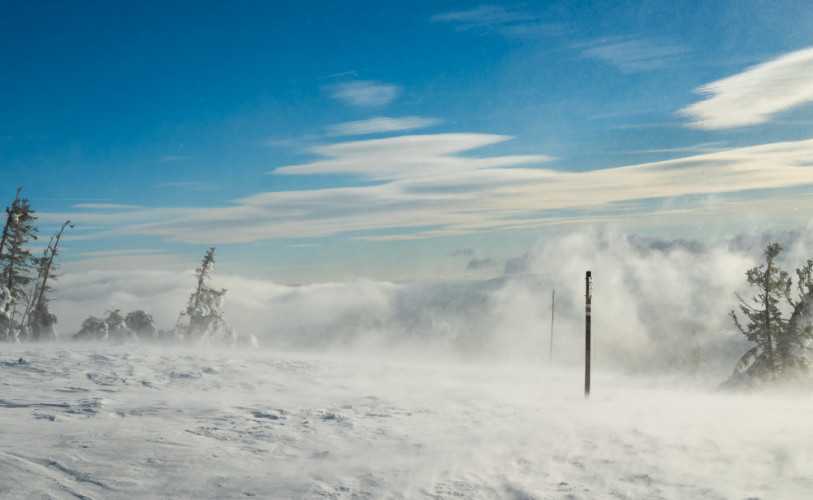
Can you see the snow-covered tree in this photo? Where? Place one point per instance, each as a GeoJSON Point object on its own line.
{"type": "Point", "coordinates": [117, 327]}
{"type": "Point", "coordinates": [6, 327]}
{"type": "Point", "coordinates": [42, 322]}
{"type": "Point", "coordinates": [11, 220]}
{"type": "Point", "coordinates": [780, 344]}
{"type": "Point", "coordinates": [203, 317]}
{"type": "Point", "coordinates": [16, 262]}
{"type": "Point", "coordinates": [137, 325]}
{"type": "Point", "coordinates": [39, 319]}
{"type": "Point", "coordinates": [141, 324]}
{"type": "Point", "coordinates": [93, 328]}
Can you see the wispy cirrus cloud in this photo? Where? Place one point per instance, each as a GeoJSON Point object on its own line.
{"type": "Point", "coordinates": [636, 55]}
{"type": "Point", "coordinates": [118, 253]}
{"type": "Point", "coordinates": [499, 19]}
{"type": "Point", "coordinates": [381, 125]}
{"type": "Point", "coordinates": [755, 95]}
{"type": "Point", "coordinates": [106, 206]}
{"type": "Point", "coordinates": [197, 186]}
{"type": "Point", "coordinates": [365, 93]}
{"type": "Point", "coordinates": [175, 158]}
{"type": "Point", "coordinates": [433, 190]}
{"type": "Point", "coordinates": [407, 156]}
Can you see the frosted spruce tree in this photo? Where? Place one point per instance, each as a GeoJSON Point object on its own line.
{"type": "Point", "coordinates": [39, 319]}
{"type": "Point", "coordinates": [24, 279]}
{"type": "Point", "coordinates": [203, 318]}
{"type": "Point", "coordinates": [17, 265]}
{"type": "Point", "coordinates": [780, 345]}
{"type": "Point", "coordinates": [137, 325]}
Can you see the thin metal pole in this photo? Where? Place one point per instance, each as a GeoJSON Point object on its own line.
{"type": "Point", "coordinates": [588, 299]}
{"type": "Point", "coordinates": [552, 312]}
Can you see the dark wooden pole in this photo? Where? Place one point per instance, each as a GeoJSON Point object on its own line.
{"type": "Point", "coordinates": [552, 312]}
{"type": "Point", "coordinates": [588, 299]}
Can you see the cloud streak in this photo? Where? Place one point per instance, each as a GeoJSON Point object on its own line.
{"type": "Point", "coordinates": [106, 206]}
{"type": "Point", "coordinates": [408, 156]}
{"type": "Point", "coordinates": [426, 188]}
{"type": "Point", "coordinates": [755, 95]}
{"type": "Point", "coordinates": [500, 20]}
{"type": "Point", "coordinates": [365, 93]}
{"type": "Point", "coordinates": [381, 125]}
{"type": "Point", "coordinates": [632, 56]}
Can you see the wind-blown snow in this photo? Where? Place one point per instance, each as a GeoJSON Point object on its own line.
{"type": "Point", "coordinates": [146, 421]}
{"type": "Point", "coordinates": [376, 389]}
{"type": "Point", "coordinates": [656, 304]}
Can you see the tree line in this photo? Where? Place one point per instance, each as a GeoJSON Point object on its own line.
{"type": "Point", "coordinates": [202, 320]}
{"type": "Point", "coordinates": [26, 289]}
{"type": "Point", "coordinates": [26, 279]}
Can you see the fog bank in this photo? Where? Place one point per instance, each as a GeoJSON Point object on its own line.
{"type": "Point", "coordinates": [658, 305]}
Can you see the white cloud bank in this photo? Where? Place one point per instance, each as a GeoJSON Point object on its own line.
{"type": "Point", "coordinates": [755, 95]}
{"type": "Point", "coordinates": [655, 303]}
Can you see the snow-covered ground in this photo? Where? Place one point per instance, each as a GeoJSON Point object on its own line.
{"type": "Point", "coordinates": [146, 421]}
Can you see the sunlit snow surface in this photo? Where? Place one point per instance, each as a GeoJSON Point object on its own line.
{"type": "Point", "coordinates": [141, 421]}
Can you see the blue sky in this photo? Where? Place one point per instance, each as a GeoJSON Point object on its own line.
{"type": "Point", "coordinates": [409, 140]}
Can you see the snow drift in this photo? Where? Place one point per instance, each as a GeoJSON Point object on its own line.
{"type": "Point", "coordinates": [125, 421]}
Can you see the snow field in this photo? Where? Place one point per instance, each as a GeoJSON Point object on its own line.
{"type": "Point", "coordinates": [145, 421]}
